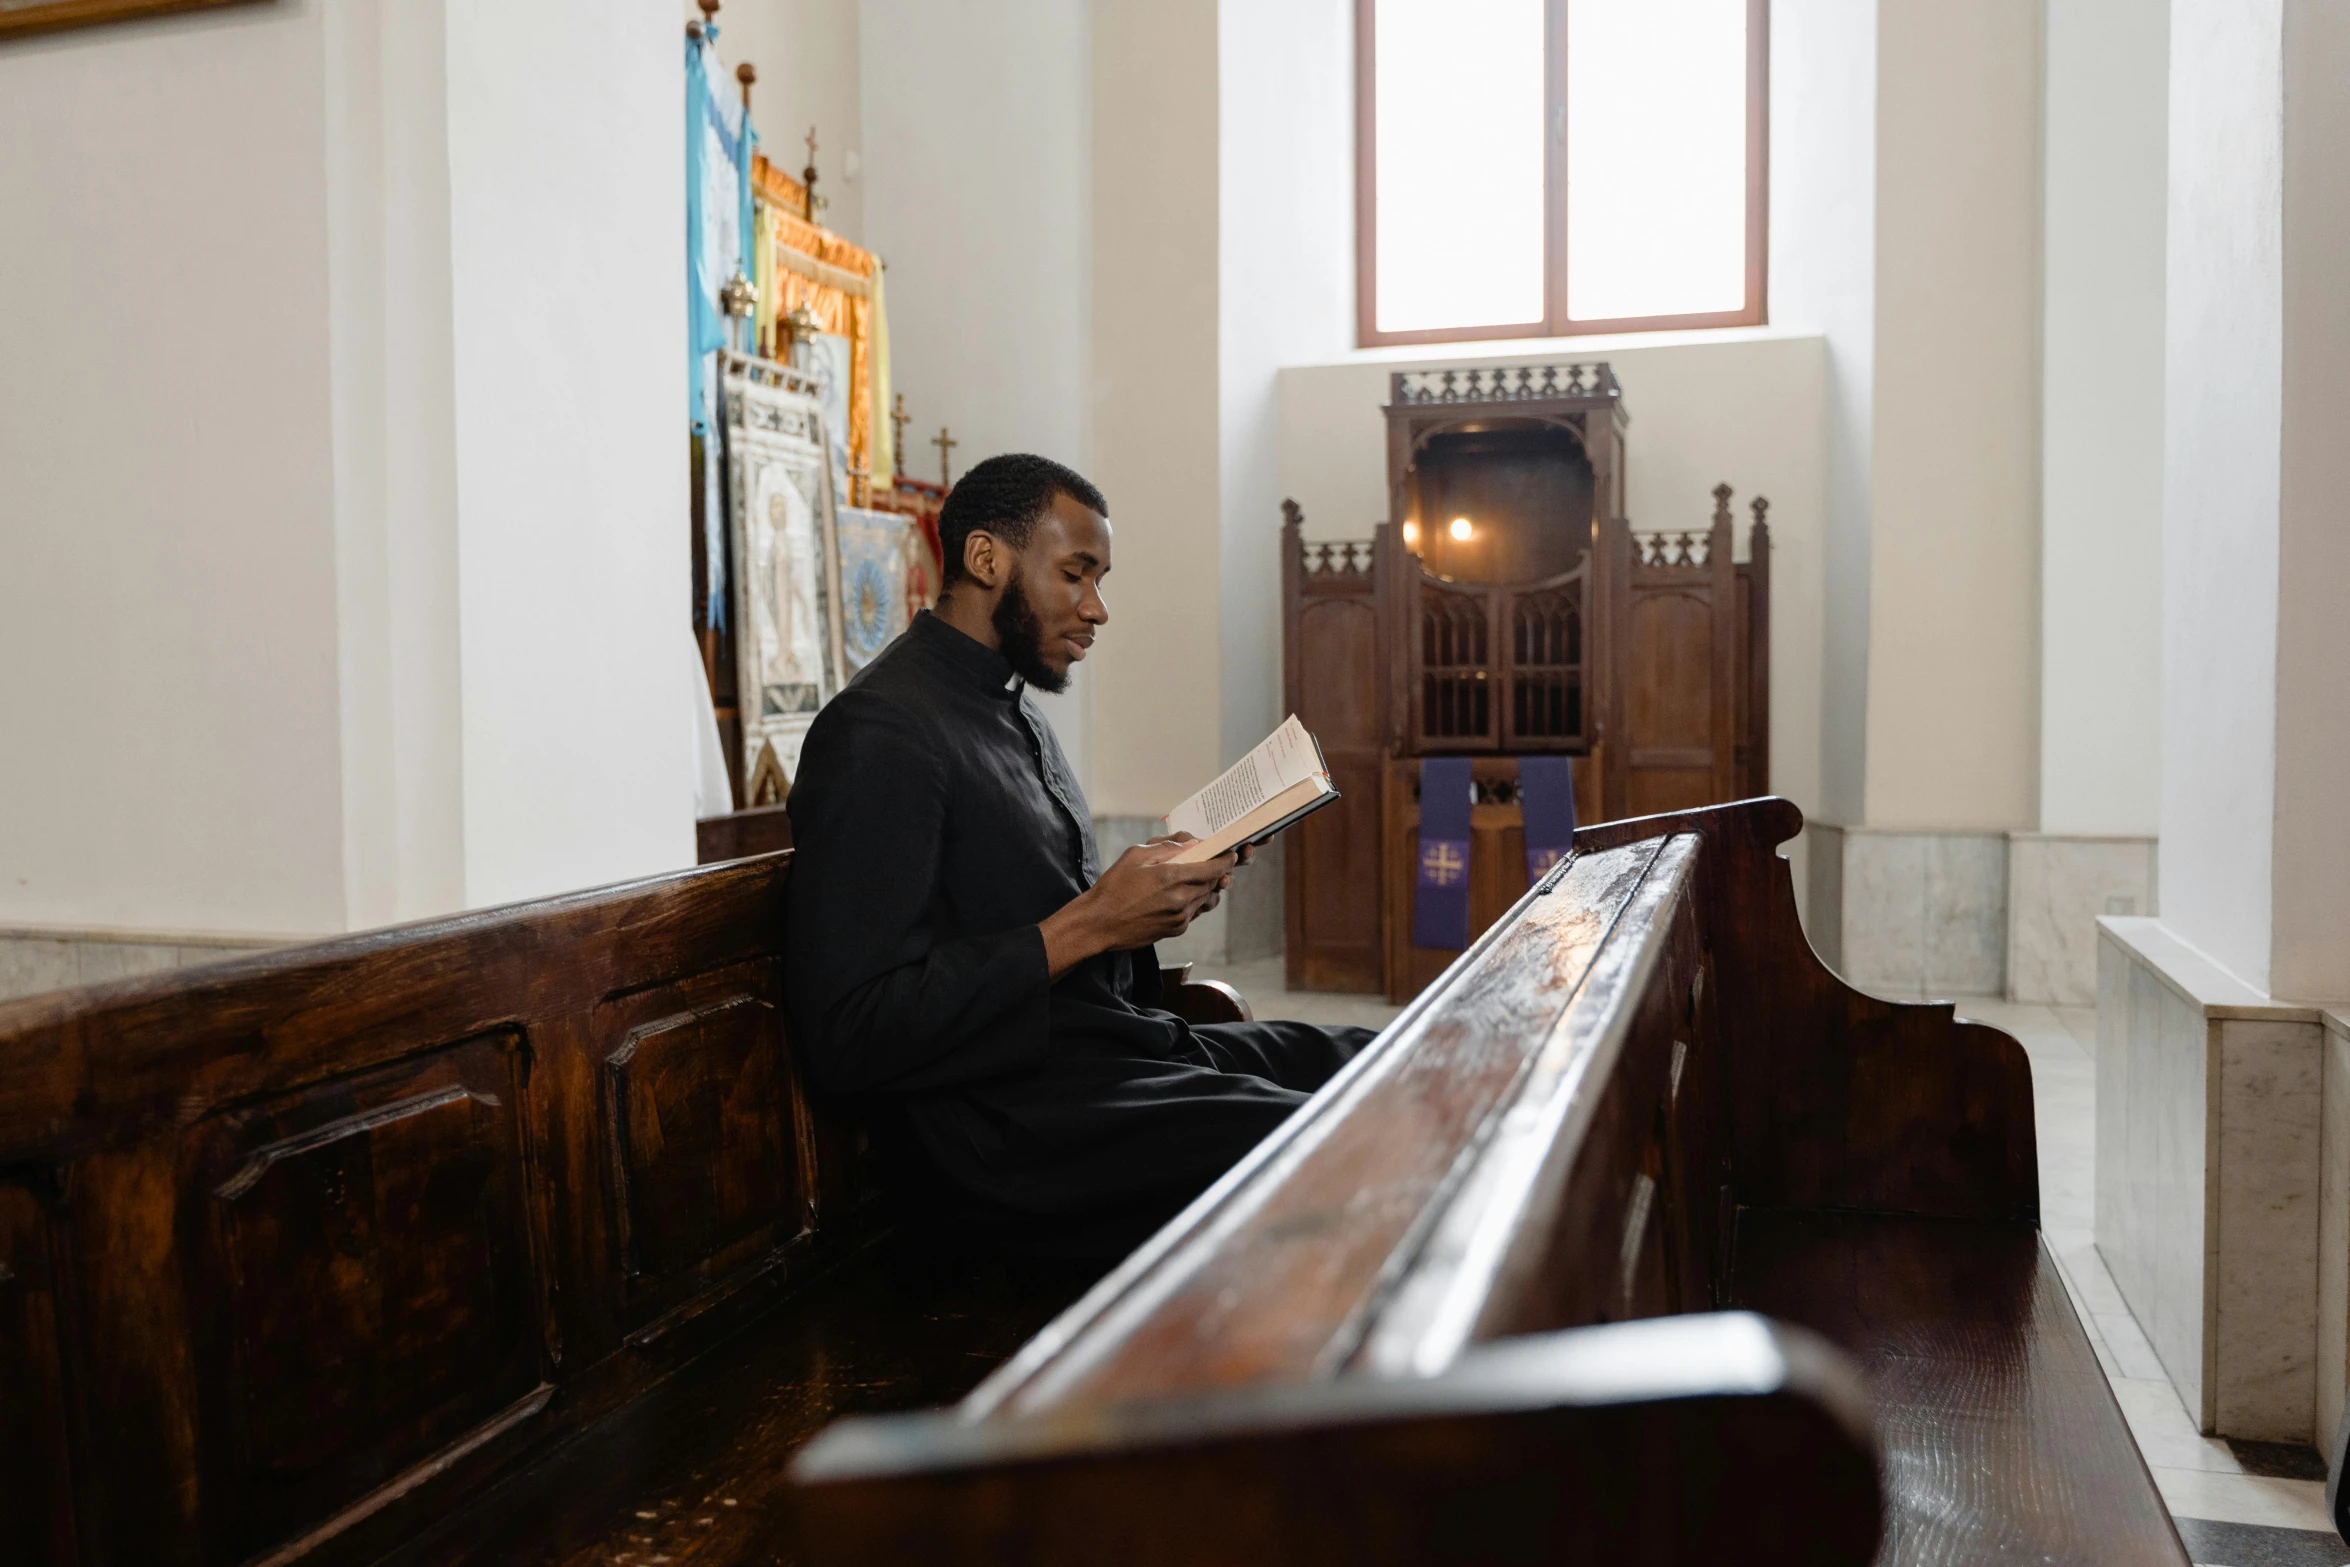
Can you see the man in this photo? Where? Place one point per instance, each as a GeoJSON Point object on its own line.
{"type": "Point", "coordinates": [962, 971]}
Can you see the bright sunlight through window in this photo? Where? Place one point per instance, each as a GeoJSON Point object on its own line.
{"type": "Point", "coordinates": [1520, 187]}
{"type": "Point", "coordinates": [1460, 169]}
{"type": "Point", "coordinates": [1656, 157]}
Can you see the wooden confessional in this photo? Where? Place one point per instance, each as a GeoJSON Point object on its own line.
{"type": "Point", "coordinates": [1507, 608]}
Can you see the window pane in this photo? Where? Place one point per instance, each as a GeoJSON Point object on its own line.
{"type": "Point", "coordinates": [1656, 157]}
{"type": "Point", "coordinates": [1458, 143]}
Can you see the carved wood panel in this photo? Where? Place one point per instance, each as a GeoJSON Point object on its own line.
{"type": "Point", "coordinates": [1337, 849]}
{"type": "Point", "coordinates": [365, 1289]}
{"type": "Point", "coordinates": [36, 1519]}
{"type": "Point", "coordinates": [708, 1145]}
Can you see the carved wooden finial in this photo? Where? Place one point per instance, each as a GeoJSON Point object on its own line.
{"type": "Point", "coordinates": [1293, 516]}
{"type": "Point", "coordinates": [709, 9]}
{"type": "Point", "coordinates": [945, 444]}
{"type": "Point", "coordinates": [1721, 503]}
{"type": "Point", "coordinates": [1759, 505]}
{"type": "Point", "coordinates": [745, 74]}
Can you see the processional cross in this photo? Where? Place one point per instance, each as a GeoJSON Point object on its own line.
{"type": "Point", "coordinates": [898, 420]}
{"type": "Point", "coordinates": [945, 444]}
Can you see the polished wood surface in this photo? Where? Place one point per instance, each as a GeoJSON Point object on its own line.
{"type": "Point", "coordinates": [738, 835]}
{"type": "Point", "coordinates": [300, 1247]}
{"type": "Point", "coordinates": [694, 1469]}
{"type": "Point", "coordinates": [1553, 627]}
{"type": "Point", "coordinates": [1638, 1100]}
{"type": "Point", "coordinates": [1334, 679]}
{"type": "Point", "coordinates": [512, 1238]}
{"type": "Point", "coordinates": [2001, 1433]}
{"type": "Point", "coordinates": [1699, 1440]}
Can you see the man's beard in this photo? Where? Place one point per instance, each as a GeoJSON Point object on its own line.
{"type": "Point", "coordinates": [1020, 636]}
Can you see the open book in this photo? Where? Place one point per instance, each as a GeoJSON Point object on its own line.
{"type": "Point", "coordinates": [1275, 784]}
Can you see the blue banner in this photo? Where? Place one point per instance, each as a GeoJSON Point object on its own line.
{"type": "Point", "coordinates": [1546, 794]}
{"type": "Point", "coordinates": [1440, 900]}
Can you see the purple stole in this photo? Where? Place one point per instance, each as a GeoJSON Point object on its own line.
{"type": "Point", "coordinates": [1546, 794]}
{"type": "Point", "coordinates": [1440, 898]}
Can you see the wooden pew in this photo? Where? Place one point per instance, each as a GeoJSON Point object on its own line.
{"type": "Point", "coordinates": [300, 1252]}
{"type": "Point", "coordinates": [1487, 1298]}
{"type": "Point", "coordinates": [511, 1238]}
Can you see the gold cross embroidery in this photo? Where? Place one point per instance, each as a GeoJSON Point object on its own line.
{"type": "Point", "coordinates": [1442, 864]}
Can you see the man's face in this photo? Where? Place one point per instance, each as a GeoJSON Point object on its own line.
{"type": "Point", "coordinates": [1052, 603]}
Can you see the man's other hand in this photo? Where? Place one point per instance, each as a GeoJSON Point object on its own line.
{"type": "Point", "coordinates": [1141, 898]}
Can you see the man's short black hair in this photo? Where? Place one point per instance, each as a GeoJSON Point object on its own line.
{"type": "Point", "coordinates": [1005, 496]}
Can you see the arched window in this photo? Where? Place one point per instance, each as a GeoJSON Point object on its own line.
{"type": "Point", "coordinates": [1530, 168]}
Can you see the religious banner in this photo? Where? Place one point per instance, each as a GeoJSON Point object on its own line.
{"type": "Point", "coordinates": [719, 145]}
{"type": "Point", "coordinates": [826, 357]}
{"type": "Point", "coordinates": [790, 644]}
{"type": "Point", "coordinates": [1546, 798]}
{"type": "Point", "coordinates": [874, 570]}
{"type": "Point", "coordinates": [809, 267]}
{"type": "Point", "coordinates": [1440, 898]}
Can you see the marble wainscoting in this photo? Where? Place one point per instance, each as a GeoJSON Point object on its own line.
{"type": "Point", "coordinates": [2057, 887]}
{"type": "Point", "coordinates": [37, 958]}
{"type": "Point", "coordinates": [2212, 1152]}
{"type": "Point", "coordinates": [1910, 914]}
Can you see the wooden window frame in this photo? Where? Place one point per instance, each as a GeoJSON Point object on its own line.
{"type": "Point", "coordinates": [1556, 322]}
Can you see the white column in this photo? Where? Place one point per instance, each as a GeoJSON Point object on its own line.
{"type": "Point", "coordinates": [2224, 1115]}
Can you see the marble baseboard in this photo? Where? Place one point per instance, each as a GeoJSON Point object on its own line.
{"type": "Point", "coordinates": [2057, 887]}
{"type": "Point", "coordinates": [2211, 1156]}
{"type": "Point", "coordinates": [34, 959]}
{"type": "Point", "coordinates": [1911, 914]}
{"type": "Point", "coordinates": [2333, 1228]}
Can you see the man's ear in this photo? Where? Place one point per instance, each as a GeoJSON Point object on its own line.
{"type": "Point", "coordinates": [984, 559]}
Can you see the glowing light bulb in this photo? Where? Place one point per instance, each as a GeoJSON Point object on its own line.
{"type": "Point", "coordinates": [1461, 528]}
{"type": "Point", "coordinates": [1411, 533]}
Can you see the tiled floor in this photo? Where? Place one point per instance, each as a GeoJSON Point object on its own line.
{"type": "Point", "coordinates": [2229, 1517]}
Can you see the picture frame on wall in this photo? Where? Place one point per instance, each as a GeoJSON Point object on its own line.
{"type": "Point", "coordinates": [790, 653]}
{"type": "Point", "coordinates": [18, 17]}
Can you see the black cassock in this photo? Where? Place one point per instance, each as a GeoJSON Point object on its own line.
{"type": "Point", "coordinates": [935, 824]}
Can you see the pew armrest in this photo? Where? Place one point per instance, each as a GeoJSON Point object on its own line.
{"type": "Point", "coordinates": [1198, 1001]}
{"type": "Point", "coordinates": [1691, 1439]}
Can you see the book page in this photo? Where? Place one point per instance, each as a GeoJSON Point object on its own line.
{"type": "Point", "coordinates": [1287, 756]}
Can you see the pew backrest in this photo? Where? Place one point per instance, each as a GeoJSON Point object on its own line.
{"type": "Point", "coordinates": [295, 1250]}
{"type": "Point", "coordinates": [1557, 1136]}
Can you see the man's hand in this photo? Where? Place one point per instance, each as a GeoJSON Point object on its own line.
{"type": "Point", "coordinates": [1140, 899]}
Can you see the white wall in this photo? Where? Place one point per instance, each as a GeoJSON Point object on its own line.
{"type": "Point", "coordinates": [1158, 668]}
{"type": "Point", "coordinates": [2224, 353]}
{"type": "Point", "coordinates": [571, 473]}
{"type": "Point", "coordinates": [2311, 852]}
{"type": "Point", "coordinates": [168, 728]}
{"type": "Point", "coordinates": [2101, 410]}
{"type": "Point", "coordinates": [395, 497]}
{"type": "Point", "coordinates": [1823, 280]}
{"type": "Point", "coordinates": [1953, 682]}
{"type": "Point", "coordinates": [1285, 189]}
{"type": "Point", "coordinates": [977, 194]}
{"type": "Point", "coordinates": [342, 512]}
{"type": "Point", "coordinates": [806, 54]}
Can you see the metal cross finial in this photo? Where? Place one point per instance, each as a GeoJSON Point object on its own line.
{"type": "Point", "coordinates": [808, 177]}
{"type": "Point", "coordinates": [945, 444]}
{"type": "Point", "coordinates": [898, 420]}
